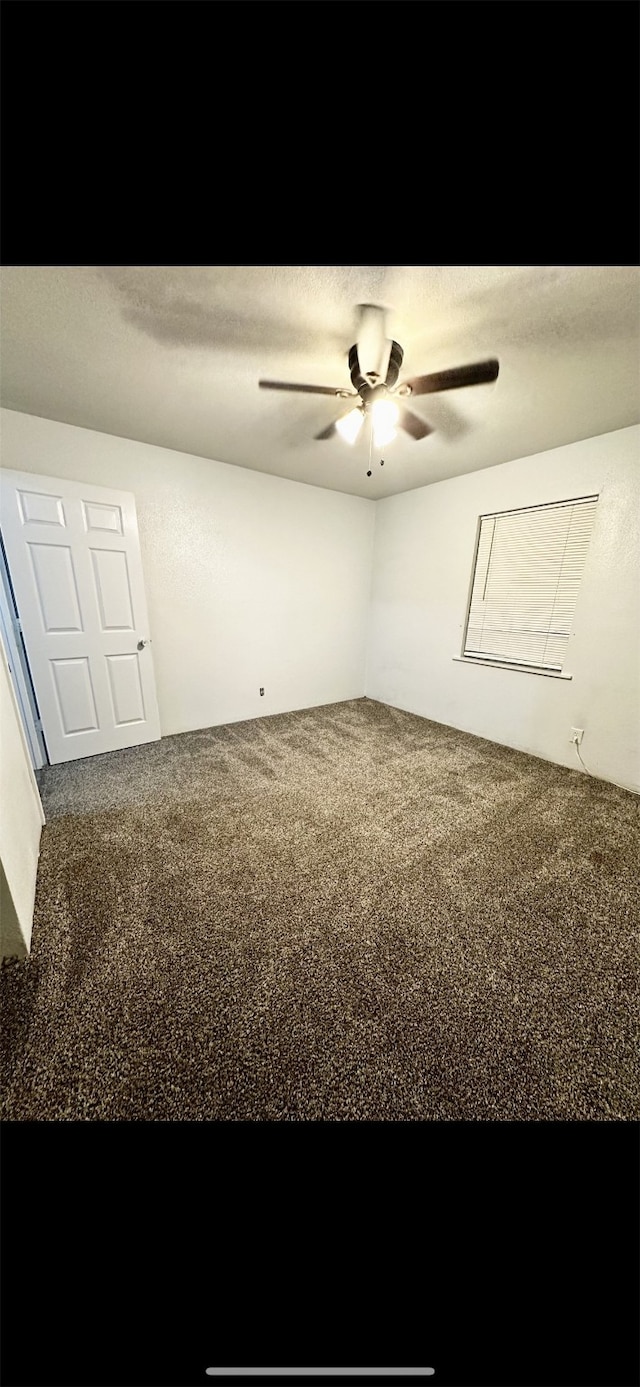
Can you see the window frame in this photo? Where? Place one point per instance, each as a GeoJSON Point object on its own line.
{"type": "Point", "coordinates": [468, 658]}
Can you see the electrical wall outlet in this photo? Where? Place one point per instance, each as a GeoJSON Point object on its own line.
{"type": "Point", "coordinates": [577, 733]}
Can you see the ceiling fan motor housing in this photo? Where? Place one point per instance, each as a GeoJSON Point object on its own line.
{"type": "Point", "coordinates": [369, 387]}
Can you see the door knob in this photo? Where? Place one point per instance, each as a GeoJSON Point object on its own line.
{"type": "Point", "coordinates": [141, 644]}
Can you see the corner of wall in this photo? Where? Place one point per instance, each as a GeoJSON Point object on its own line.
{"type": "Point", "coordinates": [369, 614]}
{"type": "Point", "coordinates": [12, 942]}
{"type": "Point", "coordinates": [20, 827]}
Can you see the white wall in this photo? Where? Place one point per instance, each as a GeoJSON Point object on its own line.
{"type": "Point", "coordinates": [423, 556]}
{"type": "Point", "coordinates": [21, 820]}
{"type": "Point", "coordinates": [251, 580]}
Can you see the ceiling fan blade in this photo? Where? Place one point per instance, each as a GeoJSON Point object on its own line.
{"type": "Point", "coordinates": [328, 432]}
{"type": "Point", "coordinates": [480, 373]}
{"type": "Point", "coordinates": [308, 389]}
{"type": "Point", "coordinates": [412, 424]}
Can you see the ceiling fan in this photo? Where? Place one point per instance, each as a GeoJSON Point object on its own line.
{"type": "Point", "coordinates": [374, 366]}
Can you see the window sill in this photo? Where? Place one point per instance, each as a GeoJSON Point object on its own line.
{"type": "Point", "coordinates": [522, 669]}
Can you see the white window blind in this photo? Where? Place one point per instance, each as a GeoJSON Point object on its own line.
{"type": "Point", "coordinates": [528, 569]}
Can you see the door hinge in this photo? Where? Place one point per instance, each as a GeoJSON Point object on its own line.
{"type": "Point", "coordinates": [37, 722]}
{"type": "Point", "coordinates": [17, 623]}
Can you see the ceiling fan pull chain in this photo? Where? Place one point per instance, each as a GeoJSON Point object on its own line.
{"type": "Point", "coordinates": [370, 448]}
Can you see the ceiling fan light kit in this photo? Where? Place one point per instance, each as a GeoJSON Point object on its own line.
{"type": "Point", "coordinates": [377, 388]}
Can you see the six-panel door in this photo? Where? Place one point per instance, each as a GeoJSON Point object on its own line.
{"type": "Point", "coordinates": [74, 557]}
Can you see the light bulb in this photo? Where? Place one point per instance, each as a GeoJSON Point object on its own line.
{"type": "Point", "coordinates": [383, 436]}
{"type": "Point", "coordinates": [349, 427]}
{"type": "Point", "coordinates": [385, 416]}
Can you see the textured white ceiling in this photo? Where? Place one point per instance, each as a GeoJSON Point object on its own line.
{"type": "Point", "coordinates": [173, 355]}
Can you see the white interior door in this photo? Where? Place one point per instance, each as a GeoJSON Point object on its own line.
{"type": "Point", "coordinates": [74, 558]}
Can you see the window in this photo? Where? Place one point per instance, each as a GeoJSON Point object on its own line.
{"type": "Point", "coordinates": [525, 585]}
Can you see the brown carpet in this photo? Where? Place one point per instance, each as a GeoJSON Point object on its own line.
{"type": "Point", "coordinates": [342, 913]}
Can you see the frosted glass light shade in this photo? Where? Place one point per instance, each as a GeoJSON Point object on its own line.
{"type": "Point", "coordinates": [385, 417]}
{"type": "Point", "coordinates": [349, 427]}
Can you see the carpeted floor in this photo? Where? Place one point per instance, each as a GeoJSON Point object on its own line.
{"type": "Point", "coordinates": [342, 913]}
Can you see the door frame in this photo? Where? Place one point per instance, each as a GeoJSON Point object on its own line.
{"type": "Point", "coordinates": [18, 666]}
